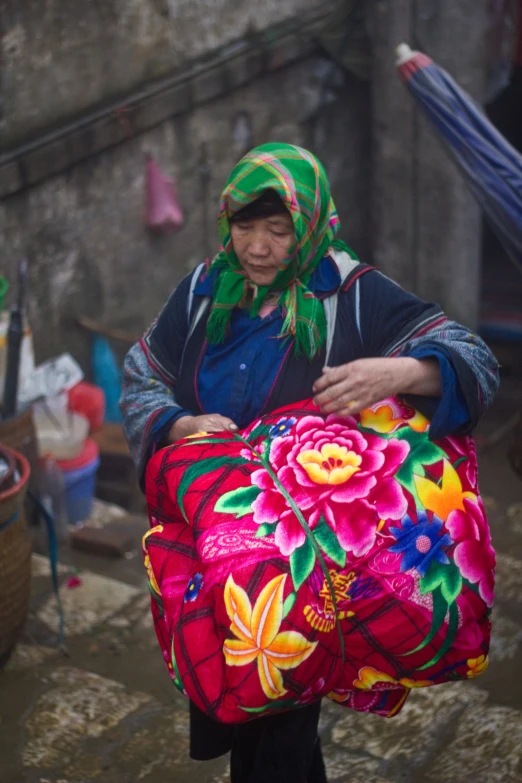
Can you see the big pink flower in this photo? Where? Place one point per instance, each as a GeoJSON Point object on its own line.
{"type": "Point", "coordinates": [334, 471]}
{"type": "Point", "coordinates": [473, 554]}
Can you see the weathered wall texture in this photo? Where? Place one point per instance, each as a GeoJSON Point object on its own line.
{"type": "Point", "coordinates": [89, 250]}
{"type": "Point", "coordinates": [427, 227]}
{"type": "Point", "coordinates": [402, 204]}
{"type": "Point", "coordinates": [61, 57]}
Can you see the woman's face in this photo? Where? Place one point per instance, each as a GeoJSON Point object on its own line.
{"type": "Point", "coordinates": [262, 245]}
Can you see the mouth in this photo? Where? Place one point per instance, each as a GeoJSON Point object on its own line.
{"type": "Point", "coordinates": [259, 267]}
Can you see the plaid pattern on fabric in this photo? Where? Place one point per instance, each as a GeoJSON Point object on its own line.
{"type": "Point", "coordinates": [265, 545]}
{"type": "Point", "coordinates": [301, 182]}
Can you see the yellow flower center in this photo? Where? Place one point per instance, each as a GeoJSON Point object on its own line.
{"type": "Point", "coordinates": [333, 464]}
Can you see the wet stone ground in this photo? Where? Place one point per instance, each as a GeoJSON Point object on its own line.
{"type": "Point", "coordinates": [106, 711]}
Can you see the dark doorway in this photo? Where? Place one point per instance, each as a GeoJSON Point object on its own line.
{"type": "Point", "coordinates": [501, 305]}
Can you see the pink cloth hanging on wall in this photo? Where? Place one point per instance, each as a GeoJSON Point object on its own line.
{"type": "Point", "coordinates": [163, 211]}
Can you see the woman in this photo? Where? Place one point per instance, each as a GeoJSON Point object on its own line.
{"type": "Point", "coordinates": [287, 312]}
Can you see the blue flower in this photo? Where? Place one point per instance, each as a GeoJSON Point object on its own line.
{"type": "Point", "coordinates": [194, 586]}
{"type": "Point", "coordinates": [282, 428]}
{"type": "Point", "coordinates": [421, 543]}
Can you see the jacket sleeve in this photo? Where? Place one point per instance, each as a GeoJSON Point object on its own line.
{"type": "Point", "coordinates": [148, 400]}
{"type": "Point", "coordinates": [394, 322]}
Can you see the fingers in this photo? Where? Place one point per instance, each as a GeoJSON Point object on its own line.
{"type": "Point", "coordinates": [218, 423]}
{"type": "Point", "coordinates": [342, 404]}
{"type": "Point", "coordinates": [330, 376]}
{"type": "Point", "coordinates": [336, 396]}
{"type": "Point", "coordinates": [350, 409]}
{"type": "Point", "coordinates": [338, 390]}
{"type": "Point", "coordinates": [227, 424]}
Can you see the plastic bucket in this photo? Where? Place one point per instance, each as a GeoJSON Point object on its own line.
{"type": "Point", "coordinates": [79, 478]}
{"type": "Point", "coordinates": [60, 434]}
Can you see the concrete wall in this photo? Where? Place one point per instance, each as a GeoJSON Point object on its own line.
{"type": "Point", "coordinates": [427, 227]}
{"type": "Point", "coordinates": [83, 231]}
{"type": "Point", "coordinates": [61, 57]}
{"type": "Point", "coordinates": [402, 203]}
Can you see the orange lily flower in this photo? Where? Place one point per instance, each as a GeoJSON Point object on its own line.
{"type": "Point", "coordinates": [382, 420]}
{"type": "Point", "coordinates": [446, 498]}
{"type": "Point", "coordinates": [258, 636]}
{"type": "Point", "coordinates": [477, 666]}
{"type": "Point", "coordinates": [368, 677]}
{"type": "Point", "coordinates": [146, 560]}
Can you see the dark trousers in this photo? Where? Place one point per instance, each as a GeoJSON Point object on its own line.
{"type": "Point", "coordinates": [281, 748]}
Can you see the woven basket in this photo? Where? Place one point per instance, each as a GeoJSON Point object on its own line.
{"type": "Point", "coordinates": [15, 558]}
{"type": "Point", "coordinates": [18, 433]}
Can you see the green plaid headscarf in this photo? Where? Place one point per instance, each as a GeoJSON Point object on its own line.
{"type": "Point", "coordinates": [301, 182]}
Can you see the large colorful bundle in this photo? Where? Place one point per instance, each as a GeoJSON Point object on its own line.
{"type": "Point", "coordinates": [312, 556]}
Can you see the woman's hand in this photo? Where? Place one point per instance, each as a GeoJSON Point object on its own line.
{"type": "Point", "coordinates": [190, 425]}
{"type": "Point", "coordinates": [352, 387]}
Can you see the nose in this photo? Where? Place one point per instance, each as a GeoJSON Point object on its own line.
{"type": "Point", "coordinates": [259, 246]}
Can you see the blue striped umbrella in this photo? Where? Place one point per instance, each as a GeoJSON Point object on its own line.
{"type": "Point", "coordinates": [492, 167]}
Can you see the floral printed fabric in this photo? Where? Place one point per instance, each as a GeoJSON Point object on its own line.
{"type": "Point", "coordinates": [316, 556]}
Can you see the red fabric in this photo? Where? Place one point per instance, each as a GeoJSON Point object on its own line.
{"type": "Point", "coordinates": [416, 63]}
{"type": "Point", "coordinates": [242, 607]}
{"type": "Point", "coordinates": [88, 400]}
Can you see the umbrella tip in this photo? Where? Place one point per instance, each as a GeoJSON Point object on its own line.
{"type": "Point", "coordinates": [403, 53]}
